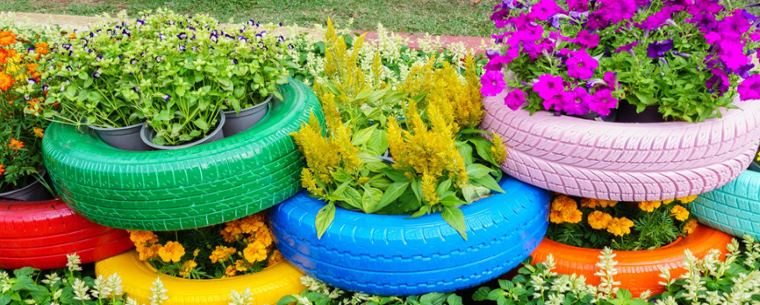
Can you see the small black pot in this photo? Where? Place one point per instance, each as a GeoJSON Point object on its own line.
{"type": "Point", "coordinates": [127, 138]}
{"type": "Point", "coordinates": [754, 166]}
{"type": "Point", "coordinates": [147, 134]}
{"type": "Point", "coordinates": [626, 113]}
{"type": "Point", "coordinates": [238, 122]}
{"type": "Point", "coordinates": [35, 191]}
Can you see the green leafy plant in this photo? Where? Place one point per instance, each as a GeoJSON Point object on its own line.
{"type": "Point", "coordinates": [68, 287]}
{"type": "Point", "coordinates": [21, 94]}
{"type": "Point", "coordinates": [318, 293]}
{"type": "Point", "coordinates": [413, 149]}
{"type": "Point", "coordinates": [177, 72]}
{"type": "Point", "coordinates": [621, 226]}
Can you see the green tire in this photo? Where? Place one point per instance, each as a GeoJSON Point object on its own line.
{"type": "Point", "coordinates": [183, 189]}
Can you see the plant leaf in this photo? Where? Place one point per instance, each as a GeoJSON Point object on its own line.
{"type": "Point", "coordinates": [455, 218]}
{"type": "Point", "coordinates": [325, 217]}
{"type": "Point", "coordinates": [391, 194]}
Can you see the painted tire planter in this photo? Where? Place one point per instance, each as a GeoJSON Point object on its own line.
{"type": "Point", "coordinates": [40, 234]}
{"type": "Point", "coordinates": [625, 161]}
{"type": "Point", "coordinates": [267, 286]}
{"type": "Point", "coordinates": [733, 208]}
{"type": "Point", "coordinates": [637, 270]}
{"type": "Point", "coordinates": [399, 255]}
{"type": "Point", "coordinates": [182, 189]}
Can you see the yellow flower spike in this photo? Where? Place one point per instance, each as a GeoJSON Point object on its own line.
{"type": "Point", "coordinates": [171, 252]}
{"type": "Point", "coordinates": [688, 199]}
{"type": "Point", "coordinates": [649, 206]}
{"type": "Point", "coordinates": [599, 220]}
{"type": "Point", "coordinates": [620, 226]}
{"type": "Point", "coordinates": [310, 184]}
{"type": "Point", "coordinates": [377, 71]}
{"type": "Point", "coordinates": [429, 184]}
{"type": "Point", "coordinates": [680, 213]}
{"type": "Point", "coordinates": [498, 149]}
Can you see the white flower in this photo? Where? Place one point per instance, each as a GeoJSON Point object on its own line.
{"type": "Point", "coordinates": [51, 279]}
{"type": "Point", "coordinates": [114, 283]}
{"type": "Point", "coordinates": [158, 292]}
{"type": "Point", "coordinates": [73, 262]}
{"type": "Point", "coordinates": [606, 273]}
{"type": "Point", "coordinates": [80, 290]}
{"type": "Point", "coordinates": [244, 298]}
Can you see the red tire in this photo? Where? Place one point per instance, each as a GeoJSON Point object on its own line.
{"type": "Point", "coordinates": [40, 234]}
{"type": "Point", "coordinates": [637, 270]}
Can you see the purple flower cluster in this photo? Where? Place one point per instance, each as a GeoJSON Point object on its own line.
{"type": "Point", "coordinates": [573, 84]}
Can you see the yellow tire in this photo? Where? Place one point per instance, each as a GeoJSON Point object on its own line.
{"type": "Point", "coordinates": [267, 286]}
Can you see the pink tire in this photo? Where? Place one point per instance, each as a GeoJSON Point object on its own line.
{"type": "Point", "coordinates": [625, 161]}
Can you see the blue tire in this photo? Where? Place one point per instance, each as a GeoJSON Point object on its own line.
{"type": "Point", "coordinates": [733, 208]}
{"type": "Point", "coordinates": [399, 255]}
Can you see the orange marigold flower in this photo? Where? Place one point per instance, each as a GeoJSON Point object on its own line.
{"type": "Point", "coordinates": [264, 235]}
{"type": "Point", "coordinates": [679, 213]}
{"type": "Point", "coordinates": [687, 199]}
{"type": "Point", "coordinates": [73, 36]}
{"type": "Point", "coordinates": [620, 226]}
{"type": "Point", "coordinates": [565, 209]}
{"type": "Point", "coordinates": [649, 206]}
{"type": "Point", "coordinates": [231, 231]}
{"type": "Point", "coordinates": [275, 258]}
{"type": "Point", "coordinates": [251, 225]}
{"type": "Point", "coordinates": [7, 38]}
{"type": "Point", "coordinates": [6, 82]}
{"type": "Point", "coordinates": [2, 169]}
{"type": "Point", "coordinates": [171, 252]}
{"type": "Point", "coordinates": [690, 226]}
{"type": "Point", "coordinates": [31, 68]}
{"type": "Point", "coordinates": [187, 268]}
{"type": "Point", "coordinates": [255, 252]}
{"type": "Point", "coordinates": [41, 48]}
{"type": "Point", "coordinates": [597, 203]}
{"type": "Point", "coordinates": [39, 132]}
{"type": "Point", "coordinates": [221, 253]}
{"type": "Point", "coordinates": [142, 238]}
{"type": "Point", "coordinates": [16, 144]}
{"type": "Point", "coordinates": [241, 266]}
{"type": "Point", "coordinates": [146, 253]}
{"type": "Point", "coordinates": [599, 220]}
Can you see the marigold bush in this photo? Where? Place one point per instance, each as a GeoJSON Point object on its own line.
{"type": "Point", "coordinates": [594, 223]}
{"type": "Point", "coordinates": [21, 97]}
{"type": "Point", "coordinates": [235, 248]}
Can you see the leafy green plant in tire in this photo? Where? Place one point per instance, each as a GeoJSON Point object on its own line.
{"type": "Point", "coordinates": [176, 72]}
{"type": "Point", "coordinates": [413, 148]}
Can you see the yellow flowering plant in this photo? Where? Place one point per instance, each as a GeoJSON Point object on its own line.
{"type": "Point", "coordinates": [593, 223]}
{"type": "Point", "coordinates": [21, 93]}
{"type": "Point", "coordinates": [239, 247]}
{"type": "Point", "coordinates": [410, 148]}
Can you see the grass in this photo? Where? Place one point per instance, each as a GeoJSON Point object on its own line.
{"type": "Point", "coordinates": [450, 17]}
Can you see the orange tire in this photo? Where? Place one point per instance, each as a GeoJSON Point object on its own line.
{"type": "Point", "coordinates": [638, 271]}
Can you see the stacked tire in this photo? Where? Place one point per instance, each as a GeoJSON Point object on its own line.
{"type": "Point", "coordinates": [183, 189]}
{"type": "Point", "coordinates": [637, 162]}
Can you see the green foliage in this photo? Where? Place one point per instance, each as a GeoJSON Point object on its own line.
{"type": "Point", "coordinates": [173, 71]}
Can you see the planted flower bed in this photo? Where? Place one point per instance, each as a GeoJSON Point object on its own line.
{"type": "Point", "coordinates": [199, 137]}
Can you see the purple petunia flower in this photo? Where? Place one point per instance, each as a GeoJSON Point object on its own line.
{"type": "Point", "coordinates": [251, 22]}
{"type": "Point", "coordinates": [656, 20]}
{"type": "Point", "coordinates": [659, 48]}
{"type": "Point", "coordinates": [140, 21]}
{"type": "Point", "coordinates": [167, 97]}
{"type": "Point", "coordinates": [705, 22]}
{"type": "Point", "coordinates": [577, 5]}
{"type": "Point", "coordinates": [161, 36]}
{"type": "Point", "coordinates": [492, 83]}
{"type": "Point", "coordinates": [732, 55]}
{"type": "Point", "coordinates": [581, 65]}
{"type": "Point", "coordinates": [515, 99]}
{"type": "Point", "coordinates": [547, 86]}
{"type": "Point", "coordinates": [556, 101]}
{"type": "Point", "coordinates": [182, 36]}
{"type": "Point", "coordinates": [603, 102]}
{"type": "Point", "coordinates": [749, 89]}
{"type": "Point", "coordinates": [31, 81]}
{"type": "Point", "coordinates": [610, 79]}
{"type": "Point", "coordinates": [544, 9]}
{"type": "Point", "coordinates": [182, 48]}
{"type": "Point", "coordinates": [718, 82]}
{"type": "Point", "coordinates": [734, 26]}
{"type": "Point", "coordinates": [576, 102]}
{"type": "Point", "coordinates": [587, 39]}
